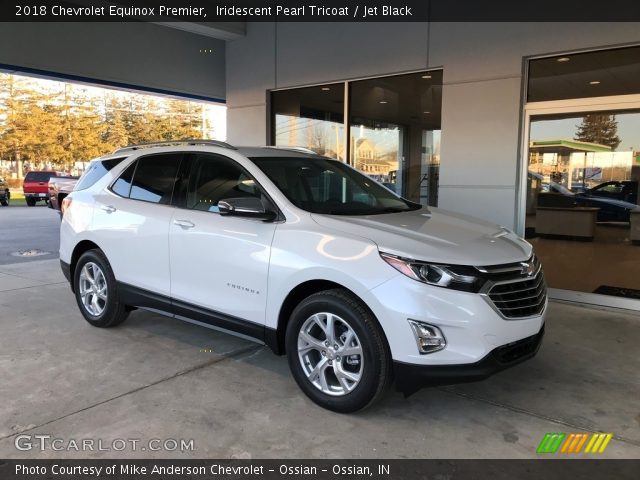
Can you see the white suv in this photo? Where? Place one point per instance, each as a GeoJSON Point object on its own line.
{"type": "Point", "coordinates": [356, 285]}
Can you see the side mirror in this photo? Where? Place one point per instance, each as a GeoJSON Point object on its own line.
{"type": "Point", "coordinates": [249, 207]}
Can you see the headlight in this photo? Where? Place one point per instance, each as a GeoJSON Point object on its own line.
{"type": "Point", "coordinates": [457, 277]}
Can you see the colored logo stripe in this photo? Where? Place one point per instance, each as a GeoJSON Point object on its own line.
{"type": "Point", "coordinates": [598, 442]}
{"type": "Point", "coordinates": [573, 442]}
{"type": "Point", "coordinates": [550, 442]}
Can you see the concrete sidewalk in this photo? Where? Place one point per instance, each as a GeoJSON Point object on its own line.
{"type": "Point", "coordinates": [155, 377]}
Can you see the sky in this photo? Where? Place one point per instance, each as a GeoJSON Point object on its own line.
{"type": "Point", "coordinates": [628, 130]}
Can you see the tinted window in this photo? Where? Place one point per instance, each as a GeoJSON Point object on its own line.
{"type": "Point", "coordinates": [155, 178]}
{"type": "Point", "coordinates": [215, 178]}
{"type": "Point", "coordinates": [122, 186]}
{"type": "Point", "coordinates": [96, 170]}
{"type": "Point", "coordinates": [38, 176]}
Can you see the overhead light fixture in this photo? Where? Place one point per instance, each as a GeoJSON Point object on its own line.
{"type": "Point", "coordinates": [325, 89]}
{"type": "Point", "coordinates": [383, 102]}
{"type": "Point", "coordinates": [426, 113]}
{"type": "Point", "coordinates": [562, 59]}
{"type": "Point", "coordinates": [426, 76]}
{"type": "Point", "coordinates": [594, 82]}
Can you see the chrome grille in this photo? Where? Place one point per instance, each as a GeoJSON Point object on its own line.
{"type": "Point", "coordinates": [520, 297]}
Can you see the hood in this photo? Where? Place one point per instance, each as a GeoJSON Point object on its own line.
{"type": "Point", "coordinates": [435, 235]}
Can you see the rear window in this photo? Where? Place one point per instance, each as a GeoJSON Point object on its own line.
{"type": "Point", "coordinates": [38, 176]}
{"type": "Point", "coordinates": [96, 170]}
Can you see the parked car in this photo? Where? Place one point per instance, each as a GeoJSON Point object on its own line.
{"type": "Point", "coordinates": [610, 209]}
{"type": "Point", "coordinates": [59, 187]}
{"type": "Point", "coordinates": [626, 191]}
{"type": "Point", "coordinates": [36, 186]}
{"type": "Point", "coordinates": [356, 285]}
{"type": "Point", "coordinates": [5, 194]}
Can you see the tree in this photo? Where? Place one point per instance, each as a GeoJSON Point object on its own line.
{"type": "Point", "coordinates": [84, 126]}
{"type": "Point", "coordinates": [31, 129]}
{"type": "Point", "coordinates": [599, 128]}
{"type": "Point", "coordinates": [115, 134]}
{"type": "Point", "coordinates": [53, 124]}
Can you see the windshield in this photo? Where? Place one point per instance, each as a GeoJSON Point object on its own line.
{"type": "Point", "coordinates": [321, 185]}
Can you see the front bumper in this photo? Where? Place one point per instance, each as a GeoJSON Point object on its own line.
{"type": "Point", "coordinates": [411, 377]}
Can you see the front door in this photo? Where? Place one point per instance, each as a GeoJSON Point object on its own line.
{"type": "Point", "coordinates": [219, 264]}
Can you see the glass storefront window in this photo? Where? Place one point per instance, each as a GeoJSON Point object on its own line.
{"type": "Point", "coordinates": [394, 128]}
{"type": "Point", "coordinates": [584, 75]}
{"type": "Point", "coordinates": [311, 117]}
{"type": "Point", "coordinates": [395, 132]}
{"type": "Point", "coordinates": [582, 200]}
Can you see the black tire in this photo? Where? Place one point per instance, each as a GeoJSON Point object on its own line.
{"type": "Point", "coordinates": [7, 200]}
{"type": "Point", "coordinates": [376, 359]}
{"type": "Point", "coordinates": [114, 311]}
{"type": "Point", "coordinates": [31, 202]}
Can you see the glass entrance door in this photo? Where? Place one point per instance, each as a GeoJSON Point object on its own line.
{"type": "Point", "coordinates": [582, 213]}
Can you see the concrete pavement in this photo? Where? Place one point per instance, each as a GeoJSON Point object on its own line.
{"type": "Point", "coordinates": [28, 228]}
{"type": "Point", "coordinates": [155, 377]}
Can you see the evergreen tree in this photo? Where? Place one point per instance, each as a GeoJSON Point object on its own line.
{"type": "Point", "coordinates": [115, 134]}
{"type": "Point", "coordinates": [599, 128]}
{"type": "Point", "coordinates": [84, 126]}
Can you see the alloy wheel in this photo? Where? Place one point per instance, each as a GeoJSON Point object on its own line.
{"type": "Point", "coordinates": [330, 353]}
{"type": "Point", "coordinates": [93, 289]}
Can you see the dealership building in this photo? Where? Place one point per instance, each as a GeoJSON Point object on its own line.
{"type": "Point", "coordinates": [534, 126]}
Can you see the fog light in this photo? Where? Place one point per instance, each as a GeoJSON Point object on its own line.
{"type": "Point", "coordinates": [429, 337]}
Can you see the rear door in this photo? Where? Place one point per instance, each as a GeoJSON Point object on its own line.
{"type": "Point", "coordinates": [131, 222]}
{"type": "Point", "coordinates": [219, 264]}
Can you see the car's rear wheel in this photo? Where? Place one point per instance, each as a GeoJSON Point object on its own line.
{"type": "Point", "coordinates": [97, 292]}
{"type": "Point", "coordinates": [337, 352]}
{"type": "Point", "coordinates": [7, 200]}
{"type": "Point", "coordinates": [31, 202]}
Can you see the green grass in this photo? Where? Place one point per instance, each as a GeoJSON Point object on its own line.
{"type": "Point", "coordinates": [17, 199]}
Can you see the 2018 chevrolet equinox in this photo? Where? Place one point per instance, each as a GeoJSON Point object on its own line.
{"type": "Point", "coordinates": [356, 285]}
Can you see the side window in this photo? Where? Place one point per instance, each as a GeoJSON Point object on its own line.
{"type": "Point", "coordinates": [122, 186]}
{"type": "Point", "coordinates": [214, 178]}
{"type": "Point", "coordinates": [155, 178]}
{"type": "Point", "coordinates": [611, 188]}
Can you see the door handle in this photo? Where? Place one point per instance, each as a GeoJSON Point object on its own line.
{"type": "Point", "coordinates": [184, 223]}
{"type": "Point", "coordinates": [108, 208]}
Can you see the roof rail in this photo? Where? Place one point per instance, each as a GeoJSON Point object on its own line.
{"type": "Point", "coordinates": [294, 149]}
{"type": "Point", "coordinates": [168, 143]}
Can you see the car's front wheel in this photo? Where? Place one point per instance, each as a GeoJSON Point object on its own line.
{"type": "Point", "coordinates": [7, 200]}
{"type": "Point", "coordinates": [96, 291]}
{"type": "Point", "coordinates": [337, 352]}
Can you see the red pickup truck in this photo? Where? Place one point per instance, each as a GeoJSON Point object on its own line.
{"type": "Point", "coordinates": [36, 186]}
